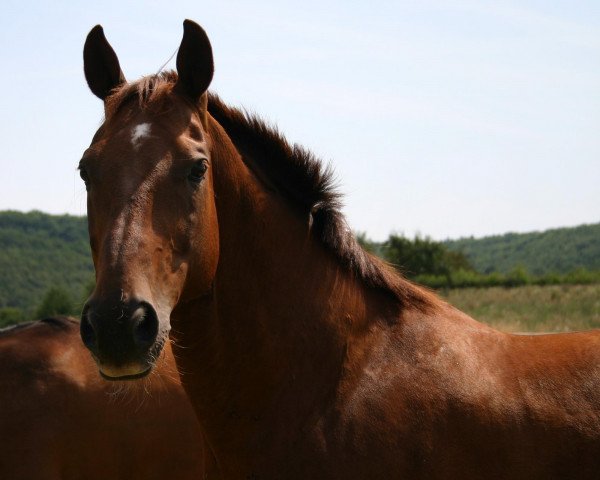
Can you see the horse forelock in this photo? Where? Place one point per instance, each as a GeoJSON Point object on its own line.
{"type": "Point", "coordinates": [148, 91]}
{"type": "Point", "coordinates": [295, 172]}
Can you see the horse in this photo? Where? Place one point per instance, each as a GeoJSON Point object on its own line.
{"type": "Point", "coordinates": [305, 356]}
{"type": "Point", "coordinates": [59, 420]}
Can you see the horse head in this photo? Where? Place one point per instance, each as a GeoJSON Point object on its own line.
{"type": "Point", "coordinates": [151, 207]}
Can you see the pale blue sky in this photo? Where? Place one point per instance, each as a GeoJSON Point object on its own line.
{"type": "Point", "coordinates": [448, 118]}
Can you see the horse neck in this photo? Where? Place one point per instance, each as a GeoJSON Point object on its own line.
{"type": "Point", "coordinates": [281, 311]}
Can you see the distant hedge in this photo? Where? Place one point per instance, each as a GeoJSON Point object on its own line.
{"type": "Point", "coordinates": [516, 278]}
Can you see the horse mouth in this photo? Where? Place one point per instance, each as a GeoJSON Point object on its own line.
{"type": "Point", "coordinates": [133, 369]}
{"type": "Point", "coordinates": [127, 376]}
{"type": "Point", "coordinates": [129, 371]}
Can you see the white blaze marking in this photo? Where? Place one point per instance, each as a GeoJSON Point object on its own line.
{"type": "Point", "coordinates": [138, 133]}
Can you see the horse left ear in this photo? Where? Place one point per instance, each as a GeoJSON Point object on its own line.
{"type": "Point", "coordinates": [100, 64]}
{"type": "Point", "coordinates": [195, 66]}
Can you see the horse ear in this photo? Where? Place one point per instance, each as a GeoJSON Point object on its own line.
{"type": "Point", "coordinates": [100, 64]}
{"type": "Point", "coordinates": [195, 66]}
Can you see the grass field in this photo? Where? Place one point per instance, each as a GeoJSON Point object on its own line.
{"type": "Point", "coordinates": [556, 308]}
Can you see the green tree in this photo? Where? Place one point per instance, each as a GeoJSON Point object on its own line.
{"type": "Point", "coordinates": [517, 277]}
{"type": "Point", "coordinates": [424, 256]}
{"type": "Point", "coordinates": [56, 301]}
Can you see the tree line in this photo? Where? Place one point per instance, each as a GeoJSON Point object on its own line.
{"type": "Point", "coordinates": [557, 250]}
{"type": "Point", "coordinates": [46, 267]}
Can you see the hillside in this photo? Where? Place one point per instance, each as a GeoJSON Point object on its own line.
{"type": "Point", "coordinates": [559, 250]}
{"type": "Point", "coordinates": [38, 251]}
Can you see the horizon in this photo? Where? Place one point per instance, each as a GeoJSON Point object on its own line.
{"type": "Point", "coordinates": [450, 119]}
{"type": "Point", "coordinates": [357, 232]}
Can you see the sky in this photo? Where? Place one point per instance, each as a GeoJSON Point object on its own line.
{"type": "Point", "coordinates": [442, 118]}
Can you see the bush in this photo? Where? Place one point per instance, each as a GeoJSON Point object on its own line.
{"type": "Point", "coordinates": [517, 277]}
{"type": "Point", "coordinates": [57, 301]}
{"type": "Point", "coordinates": [582, 277]}
{"type": "Point", "coordinates": [424, 257]}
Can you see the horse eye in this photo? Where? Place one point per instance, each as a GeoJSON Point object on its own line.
{"type": "Point", "coordinates": [84, 176]}
{"type": "Point", "coordinates": [197, 171]}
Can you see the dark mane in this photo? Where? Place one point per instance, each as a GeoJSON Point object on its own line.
{"type": "Point", "coordinates": [296, 173]}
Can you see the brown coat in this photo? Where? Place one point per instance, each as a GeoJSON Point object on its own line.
{"type": "Point", "coordinates": [60, 421]}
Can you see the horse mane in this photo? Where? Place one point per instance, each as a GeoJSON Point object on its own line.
{"type": "Point", "coordinates": [296, 173]}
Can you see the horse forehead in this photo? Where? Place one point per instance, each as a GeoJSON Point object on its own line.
{"type": "Point", "coordinates": [139, 133]}
{"type": "Point", "coordinates": [142, 129]}
{"type": "Point", "coordinates": [133, 137]}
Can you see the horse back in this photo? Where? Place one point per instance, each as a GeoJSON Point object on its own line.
{"type": "Point", "coordinates": [443, 396]}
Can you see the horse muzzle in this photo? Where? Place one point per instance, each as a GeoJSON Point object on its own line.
{"type": "Point", "coordinates": [124, 337]}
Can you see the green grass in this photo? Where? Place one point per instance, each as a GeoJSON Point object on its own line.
{"type": "Point", "coordinates": [554, 308]}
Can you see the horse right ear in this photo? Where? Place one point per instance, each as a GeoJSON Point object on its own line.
{"type": "Point", "coordinates": [195, 66]}
{"type": "Point", "coordinates": [100, 64]}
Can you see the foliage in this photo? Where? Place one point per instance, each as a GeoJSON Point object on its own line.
{"type": "Point", "coordinates": [10, 316]}
{"type": "Point", "coordinates": [516, 278]}
{"type": "Point", "coordinates": [57, 301]}
{"type": "Point", "coordinates": [560, 250]}
{"type": "Point", "coordinates": [440, 265]}
{"type": "Point", "coordinates": [38, 251]}
{"type": "Point", "coordinates": [423, 256]}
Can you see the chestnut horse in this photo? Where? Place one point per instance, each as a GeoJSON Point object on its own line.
{"type": "Point", "coordinates": [305, 357]}
{"type": "Point", "coordinates": [59, 420]}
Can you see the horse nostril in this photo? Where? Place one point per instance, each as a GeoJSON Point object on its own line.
{"type": "Point", "coordinates": [87, 331]}
{"type": "Point", "coordinates": [145, 327]}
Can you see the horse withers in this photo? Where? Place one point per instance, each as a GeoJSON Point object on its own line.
{"type": "Point", "coordinates": [304, 356]}
{"type": "Point", "coordinates": [60, 421]}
